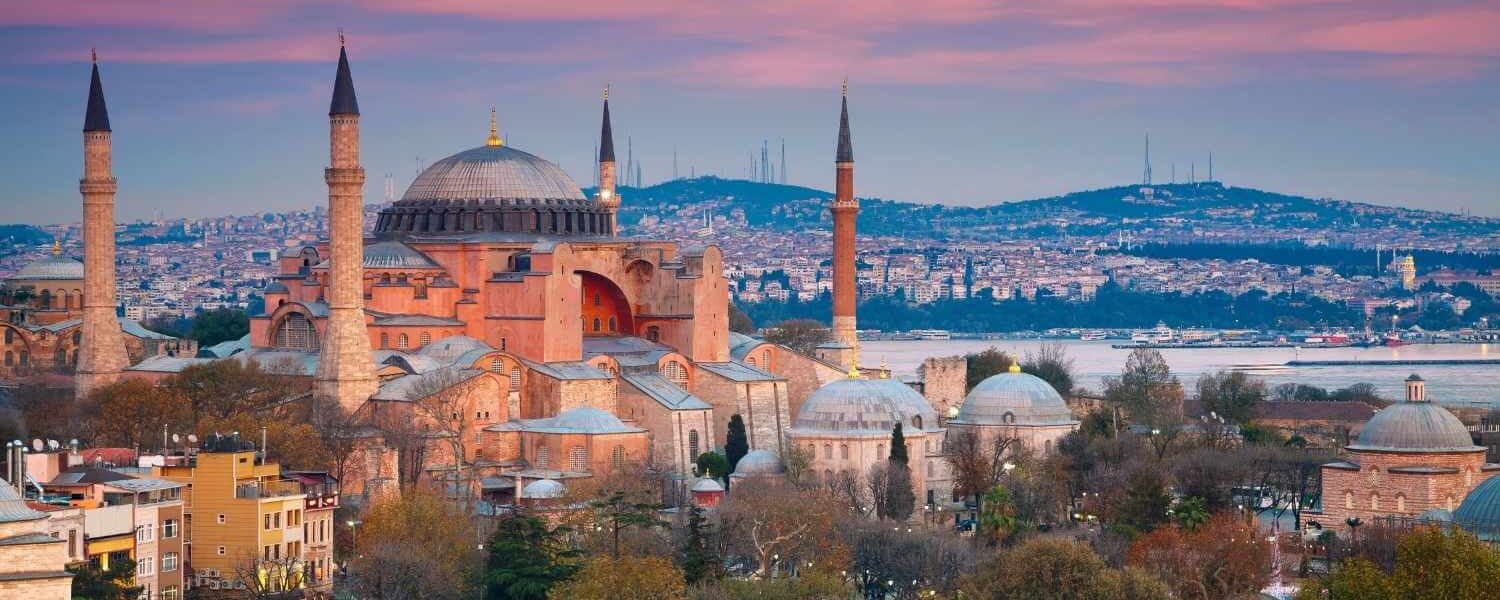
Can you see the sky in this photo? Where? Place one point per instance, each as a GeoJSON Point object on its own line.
{"type": "Point", "coordinates": [220, 106]}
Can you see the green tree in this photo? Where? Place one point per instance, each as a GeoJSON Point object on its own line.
{"type": "Point", "coordinates": [1190, 513]}
{"type": "Point", "coordinates": [739, 322]}
{"type": "Point", "coordinates": [997, 518]}
{"type": "Point", "coordinates": [736, 443]}
{"type": "Point", "coordinates": [219, 325]}
{"type": "Point", "coordinates": [1146, 500]}
{"type": "Point", "coordinates": [697, 556]}
{"type": "Point", "coordinates": [898, 446]}
{"type": "Point", "coordinates": [1430, 563]}
{"type": "Point", "coordinates": [1148, 390]}
{"type": "Point", "coordinates": [981, 365]}
{"type": "Point", "coordinates": [900, 498]}
{"type": "Point", "coordinates": [618, 512]}
{"type": "Point", "coordinates": [92, 583]}
{"type": "Point", "coordinates": [1232, 395]}
{"type": "Point", "coordinates": [527, 558]}
{"type": "Point", "coordinates": [713, 464]}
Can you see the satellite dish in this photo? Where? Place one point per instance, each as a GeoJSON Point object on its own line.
{"type": "Point", "coordinates": [53, 445]}
{"type": "Point", "coordinates": [36, 444]}
{"type": "Point", "coordinates": [192, 438]}
{"type": "Point", "coordinates": [176, 439]}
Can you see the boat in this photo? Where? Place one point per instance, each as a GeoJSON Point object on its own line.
{"type": "Point", "coordinates": [932, 334]}
{"type": "Point", "coordinates": [1092, 335]}
{"type": "Point", "coordinates": [1393, 340]}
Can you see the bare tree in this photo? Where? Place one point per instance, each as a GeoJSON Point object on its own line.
{"type": "Point", "coordinates": [444, 399]}
{"type": "Point", "coordinates": [780, 524]}
{"type": "Point", "coordinates": [270, 577]}
{"type": "Point", "coordinates": [977, 463]}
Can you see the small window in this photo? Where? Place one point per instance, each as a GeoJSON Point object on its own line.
{"type": "Point", "coordinates": [221, 551]}
{"type": "Point", "coordinates": [617, 456]}
{"type": "Point", "coordinates": [169, 529]}
{"type": "Point", "coordinates": [693, 444]}
{"type": "Point", "coordinates": [597, 325]}
{"type": "Point", "coordinates": [221, 518]}
{"type": "Point", "coordinates": [578, 459]}
{"type": "Point", "coordinates": [828, 451]}
{"type": "Point", "coordinates": [169, 562]}
{"type": "Point", "coordinates": [613, 324]}
{"type": "Point", "coordinates": [596, 299]}
{"type": "Point", "coordinates": [401, 342]}
{"type": "Point", "coordinates": [916, 422]}
{"type": "Point", "coordinates": [385, 340]}
{"type": "Point", "coordinates": [653, 333]}
{"type": "Point", "coordinates": [543, 457]}
{"type": "Point", "coordinates": [844, 451]}
{"type": "Point", "coordinates": [425, 338]}
{"type": "Point", "coordinates": [497, 365]}
{"type": "Point", "coordinates": [515, 378]}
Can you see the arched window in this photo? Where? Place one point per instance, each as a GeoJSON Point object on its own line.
{"type": "Point", "coordinates": [1348, 500]}
{"type": "Point", "coordinates": [676, 374]}
{"type": "Point", "coordinates": [401, 342]}
{"type": "Point", "coordinates": [385, 340]}
{"type": "Point", "coordinates": [828, 451]}
{"type": "Point", "coordinates": [653, 333]}
{"type": "Point", "coordinates": [880, 451]}
{"type": "Point", "coordinates": [10, 335]}
{"type": "Point", "coordinates": [750, 360]}
{"type": "Point", "coordinates": [10, 358]}
{"type": "Point", "coordinates": [497, 365]}
{"type": "Point", "coordinates": [1046, 446]}
{"type": "Point", "coordinates": [916, 422]}
{"type": "Point", "coordinates": [46, 298]}
{"type": "Point", "coordinates": [501, 346]}
{"type": "Point", "coordinates": [828, 477]}
{"type": "Point", "coordinates": [597, 325]}
{"type": "Point", "coordinates": [425, 338]}
{"type": "Point", "coordinates": [844, 451]}
{"type": "Point", "coordinates": [78, 337]}
{"type": "Point", "coordinates": [1374, 501]}
{"type": "Point", "coordinates": [1400, 503]}
{"type": "Point", "coordinates": [765, 359]}
{"type": "Point", "coordinates": [296, 333]}
{"type": "Point", "coordinates": [1448, 503]}
{"type": "Point", "coordinates": [596, 299]}
{"type": "Point", "coordinates": [578, 459]}
{"type": "Point", "coordinates": [60, 357]}
{"type": "Point", "coordinates": [543, 457]}
{"type": "Point", "coordinates": [693, 445]}
{"type": "Point", "coordinates": [25, 358]}
{"type": "Point", "coordinates": [1008, 418]}
{"type": "Point", "coordinates": [515, 378]}
{"type": "Point", "coordinates": [617, 456]}
{"type": "Point", "coordinates": [614, 324]}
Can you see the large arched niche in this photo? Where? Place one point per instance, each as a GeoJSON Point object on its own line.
{"type": "Point", "coordinates": [606, 309]}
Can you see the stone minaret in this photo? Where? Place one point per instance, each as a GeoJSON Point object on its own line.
{"type": "Point", "coordinates": [346, 372]}
{"type": "Point", "coordinates": [101, 356]}
{"type": "Point", "coordinates": [607, 197]}
{"type": "Point", "coordinates": [844, 208]}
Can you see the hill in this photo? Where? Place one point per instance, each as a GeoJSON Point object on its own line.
{"type": "Point", "coordinates": [1093, 212]}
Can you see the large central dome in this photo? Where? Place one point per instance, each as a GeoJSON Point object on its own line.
{"type": "Point", "coordinates": [493, 188]}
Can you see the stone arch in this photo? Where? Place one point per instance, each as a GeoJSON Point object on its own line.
{"type": "Point", "coordinates": [294, 330]}
{"type": "Point", "coordinates": [604, 303]}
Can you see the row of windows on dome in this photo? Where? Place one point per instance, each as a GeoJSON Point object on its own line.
{"type": "Point", "coordinates": [1448, 502]}
{"type": "Point", "coordinates": [60, 299]}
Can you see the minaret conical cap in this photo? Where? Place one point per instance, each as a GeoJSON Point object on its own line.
{"type": "Point", "coordinates": [846, 148]}
{"type": "Point", "coordinates": [343, 102]}
{"type": "Point", "coordinates": [97, 116]}
{"type": "Point", "coordinates": [606, 135]}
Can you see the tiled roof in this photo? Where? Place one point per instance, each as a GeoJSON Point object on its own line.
{"type": "Point", "coordinates": [13, 508]}
{"type": "Point", "coordinates": [664, 392]}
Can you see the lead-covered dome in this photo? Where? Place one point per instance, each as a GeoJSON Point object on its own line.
{"type": "Point", "coordinates": [1014, 398]}
{"type": "Point", "coordinates": [1479, 513]}
{"type": "Point", "coordinates": [52, 267]}
{"type": "Point", "coordinates": [759, 463]}
{"type": "Point", "coordinates": [864, 406]}
{"type": "Point", "coordinates": [493, 188]}
{"type": "Point", "coordinates": [1415, 427]}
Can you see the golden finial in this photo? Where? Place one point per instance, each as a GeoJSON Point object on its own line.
{"type": "Point", "coordinates": [885, 370]}
{"type": "Point", "coordinates": [854, 368]}
{"type": "Point", "coordinates": [606, 92]}
{"type": "Point", "coordinates": [56, 246]}
{"type": "Point", "coordinates": [1015, 367]}
{"type": "Point", "coordinates": [845, 90]}
{"type": "Point", "coordinates": [494, 139]}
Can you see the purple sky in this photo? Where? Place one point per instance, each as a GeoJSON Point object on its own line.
{"type": "Point", "coordinates": [219, 106]}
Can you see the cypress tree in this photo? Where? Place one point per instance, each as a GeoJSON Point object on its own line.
{"type": "Point", "coordinates": [696, 557]}
{"type": "Point", "coordinates": [737, 443]}
{"type": "Point", "coordinates": [898, 446]}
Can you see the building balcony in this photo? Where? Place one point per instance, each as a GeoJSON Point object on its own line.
{"type": "Point", "coordinates": [268, 489]}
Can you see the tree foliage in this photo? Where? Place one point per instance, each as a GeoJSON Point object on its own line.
{"type": "Point", "coordinates": [642, 577]}
{"type": "Point", "coordinates": [1430, 563]}
{"type": "Point", "coordinates": [93, 583]}
{"type": "Point", "coordinates": [1224, 558]}
{"type": "Point", "coordinates": [133, 413]}
{"type": "Point", "coordinates": [801, 335]}
{"type": "Point", "coordinates": [219, 325]}
{"type": "Point", "coordinates": [1056, 569]}
{"type": "Point", "coordinates": [981, 365]}
{"type": "Point", "coordinates": [1232, 395]}
{"type": "Point", "coordinates": [712, 464]}
{"type": "Point", "coordinates": [1051, 363]}
{"type": "Point", "coordinates": [698, 555]}
{"type": "Point", "coordinates": [736, 442]}
{"type": "Point", "coordinates": [527, 558]}
{"type": "Point", "coordinates": [1147, 389]}
{"type": "Point", "coordinates": [415, 546]}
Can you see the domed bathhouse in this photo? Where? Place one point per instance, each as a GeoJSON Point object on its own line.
{"type": "Point", "coordinates": [759, 464]}
{"type": "Point", "coordinates": [1017, 405]}
{"type": "Point", "coordinates": [845, 428]}
{"type": "Point", "coordinates": [1411, 457]}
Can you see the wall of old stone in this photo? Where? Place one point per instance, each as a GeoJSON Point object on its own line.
{"type": "Point", "coordinates": [763, 405]}
{"type": "Point", "coordinates": [803, 374]}
{"type": "Point", "coordinates": [1372, 490]}
{"type": "Point", "coordinates": [944, 380]}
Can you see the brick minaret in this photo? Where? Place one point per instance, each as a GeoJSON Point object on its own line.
{"type": "Point", "coordinates": [607, 197]}
{"type": "Point", "coordinates": [101, 356]}
{"type": "Point", "coordinates": [346, 373]}
{"type": "Point", "coordinates": [844, 208]}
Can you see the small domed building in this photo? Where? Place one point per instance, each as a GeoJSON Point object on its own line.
{"type": "Point", "coordinates": [1015, 404]}
{"type": "Point", "coordinates": [759, 464]}
{"type": "Point", "coordinates": [845, 427]}
{"type": "Point", "coordinates": [1411, 457]}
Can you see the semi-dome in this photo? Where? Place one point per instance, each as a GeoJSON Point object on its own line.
{"type": "Point", "coordinates": [759, 462]}
{"type": "Point", "coordinates": [864, 406]}
{"type": "Point", "coordinates": [587, 419]}
{"type": "Point", "coordinates": [492, 188]}
{"type": "Point", "coordinates": [1479, 513]}
{"type": "Point", "coordinates": [1415, 427]}
{"type": "Point", "coordinates": [1014, 398]}
{"type": "Point", "coordinates": [544, 489]}
{"type": "Point", "coordinates": [53, 266]}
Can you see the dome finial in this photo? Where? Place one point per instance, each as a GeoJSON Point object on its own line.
{"type": "Point", "coordinates": [1015, 367]}
{"type": "Point", "coordinates": [94, 55]}
{"type": "Point", "coordinates": [56, 246]}
{"type": "Point", "coordinates": [494, 139]}
{"type": "Point", "coordinates": [885, 370]}
{"type": "Point", "coordinates": [606, 92]}
{"type": "Point", "coordinates": [854, 368]}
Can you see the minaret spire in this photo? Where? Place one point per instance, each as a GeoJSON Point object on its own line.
{"type": "Point", "coordinates": [101, 355]}
{"type": "Point", "coordinates": [346, 373]}
{"type": "Point", "coordinates": [844, 348]}
{"type": "Point", "coordinates": [607, 196]}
